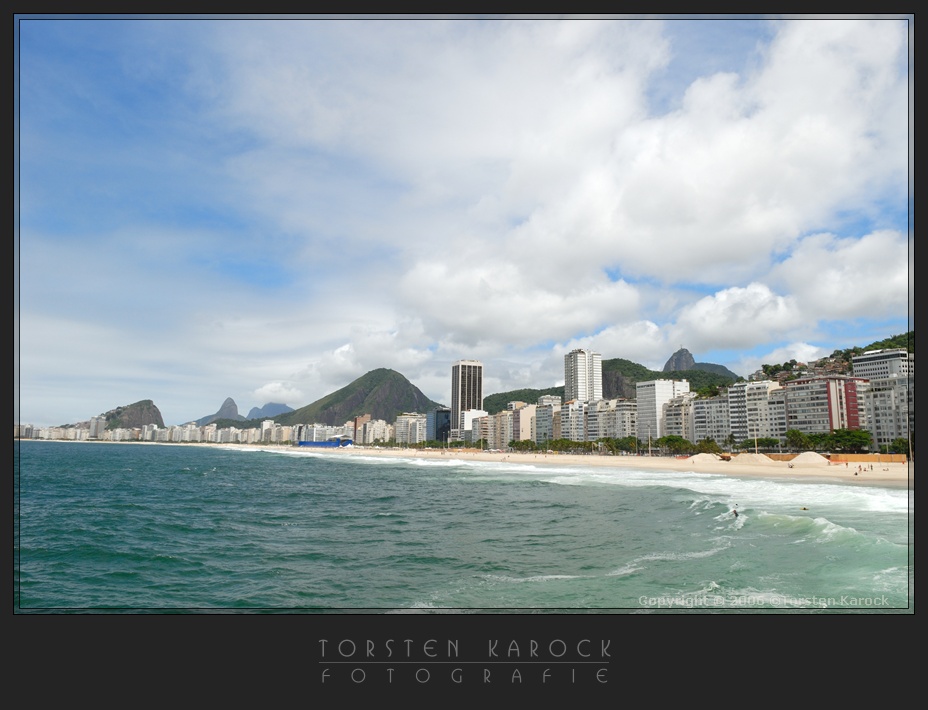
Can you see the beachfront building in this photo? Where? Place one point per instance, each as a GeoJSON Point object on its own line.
{"type": "Point", "coordinates": [97, 427]}
{"type": "Point", "coordinates": [523, 421]}
{"type": "Point", "coordinates": [481, 432]}
{"type": "Point", "coordinates": [410, 428]}
{"type": "Point", "coordinates": [573, 420]}
{"type": "Point", "coordinates": [710, 419]}
{"type": "Point", "coordinates": [466, 393]}
{"type": "Point", "coordinates": [879, 364]}
{"type": "Point", "coordinates": [466, 432]}
{"type": "Point", "coordinates": [438, 424]}
{"type": "Point", "coordinates": [611, 418]}
{"type": "Point", "coordinates": [819, 405]}
{"type": "Point", "coordinates": [678, 417]}
{"type": "Point", "coordinates": [600, 419]}
{"type": "Point", "coordinates": [583, 376]}
{"type": "Point", "coordinates": [652, 396]}
{"type": "Point", "coordinates": [547, 420]}
{"type": "Point", "coordinates": [357, 424]}
{"type": "Point", "coordinates": [373, 431]}
{"type": "Point", "coordinates": [749, 412]}
{"type": "Point", "coordinates": [501, 424]}
{"type": "Point", "coordinates": [776, 413]}
{"type": "Point", "coordinates": [889, 408]}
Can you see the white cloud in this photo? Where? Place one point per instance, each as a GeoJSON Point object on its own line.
{"type": "Point", "coordinates": [281, 393]}
{"type": "Point", "coordinates": [837, 278]}
{"type": "Point", "coordinates": [736, 318]}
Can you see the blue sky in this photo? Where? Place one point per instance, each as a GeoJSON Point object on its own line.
{"type": "Point", "coordinates": [266, 209]}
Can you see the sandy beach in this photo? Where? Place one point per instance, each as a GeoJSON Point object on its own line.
{"type": "Point", "coordinates": [807, 466]}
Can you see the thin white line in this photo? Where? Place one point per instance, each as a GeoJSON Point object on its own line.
{"type": "Point", "coordinates": [458, 663]}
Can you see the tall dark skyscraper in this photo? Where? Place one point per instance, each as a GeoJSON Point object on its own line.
{"type": "Point", "coordinates": [466, 389]}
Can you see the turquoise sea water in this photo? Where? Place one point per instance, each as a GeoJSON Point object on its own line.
{"type": "Point", "coordinates": [129, 526]}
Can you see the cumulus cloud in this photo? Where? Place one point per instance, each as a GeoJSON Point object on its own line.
{"type": "Point", "coordinates": [838, 278]}
{"type": "Point", "coordinates": [639, 341]}
{"type": "Point", "coordinates": [736, 318]}
{"type": "Point", "coordinates": [280, 392]}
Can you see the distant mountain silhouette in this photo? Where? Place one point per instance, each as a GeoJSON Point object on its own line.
{"type": "Point", "coordinates": [135, 415]}
{"type": "Point", "coordinates": [683, 360]}
{"type": "Point", "coordinates": [382, 393]}
{"type": "Point", "coordinates": [269, 410]}
{"type": "Point", "coordinates": [228, 410]}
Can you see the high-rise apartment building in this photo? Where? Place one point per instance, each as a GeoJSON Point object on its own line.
{"type": "Point", "coordinates": [466, 391]}
{"type": "Point", "coordinates": [651, 398]}
{"type": "Point", "coordinates": [583, 376]}
{"type": "Point", "coordinates": [819, 405]}
{"type": "Point", "coordinates": [750, 413]}
{"type": "Point", "coordinates": [877, 364]}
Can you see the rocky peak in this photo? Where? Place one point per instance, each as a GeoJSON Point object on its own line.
{"type": "Point", "coordinates": [680, 361]}
{"type": "Point", "coordinates": [228, 410]}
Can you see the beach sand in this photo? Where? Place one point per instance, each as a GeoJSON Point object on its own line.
{"type": "Point", "coordinates": [807, 466]}
{"type": "Point", "coordinates": [810, 467]}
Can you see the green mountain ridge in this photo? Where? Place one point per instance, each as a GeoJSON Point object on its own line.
{"type": "Point", "coordinates": [382, 393]}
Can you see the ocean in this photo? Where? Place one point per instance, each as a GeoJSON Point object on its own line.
{"type": "Point", "coordinates": [116, 527]}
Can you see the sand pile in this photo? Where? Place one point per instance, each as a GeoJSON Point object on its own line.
{"type": "Point", "coordinates": [704, 458]}
{"type": "Point", "coordinates": [807, 458]}
{"type": "Point", "coordinates": [753, 458]}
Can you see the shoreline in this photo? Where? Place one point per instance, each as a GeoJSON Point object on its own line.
{"type": "Point", "coordinates": [888, 475]}
{"type": "Point", "coordinates": [885, 475]}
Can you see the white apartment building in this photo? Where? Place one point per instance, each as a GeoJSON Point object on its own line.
{"type": "Point", "coordinates": [710, 419]}
{"type": "Point", "coordinates": [465, 432]}
{"type": "Point", "coordinates": [749, 412]}
{"type": "Point", "coordinates": [651, 397]}
{"type": "Point", "coordinates": [600, 419]}
{"type": "Point", "coordinates": [374, 430]}
{"type": "Point", "coordinates": [889, 408]}
{"type": "Point", "coordinates": [547, 421]}
{"type": "Point", "coordinates": [678, 416]}
{"type": "Point", "coordinates": [410, 428]}
{"type": "Point", "coordinates": [573, 420]}
{"type": "Point", "coordinates": [877, 364]}
{"type": "Point", "coordinates": [611, 418]}
{"type": "Point", "coordinates": [583, 376]}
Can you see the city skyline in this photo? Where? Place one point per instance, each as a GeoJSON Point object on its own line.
{"type": "Point", "coordinates": [269, 208]}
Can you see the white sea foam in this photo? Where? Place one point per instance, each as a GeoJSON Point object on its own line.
{"type": "Point", "coordinates": [534, 578]}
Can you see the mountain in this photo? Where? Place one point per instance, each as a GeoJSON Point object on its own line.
{"type": "Point", "coordinates": [228, 410]}
{"type": "Point", "coordinates": [683, 361]}
{"type": "Point", "coordinates": [135, 415]}
{"type": "Point", "coordinates": [680, 361]}
{"type": "Point", "coordinates": [382, 393]}
{"type": "Point", "coordinates": [268, 411]}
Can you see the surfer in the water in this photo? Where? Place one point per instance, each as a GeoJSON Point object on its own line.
{"type": "Point", "coordinates": [735, 513]}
